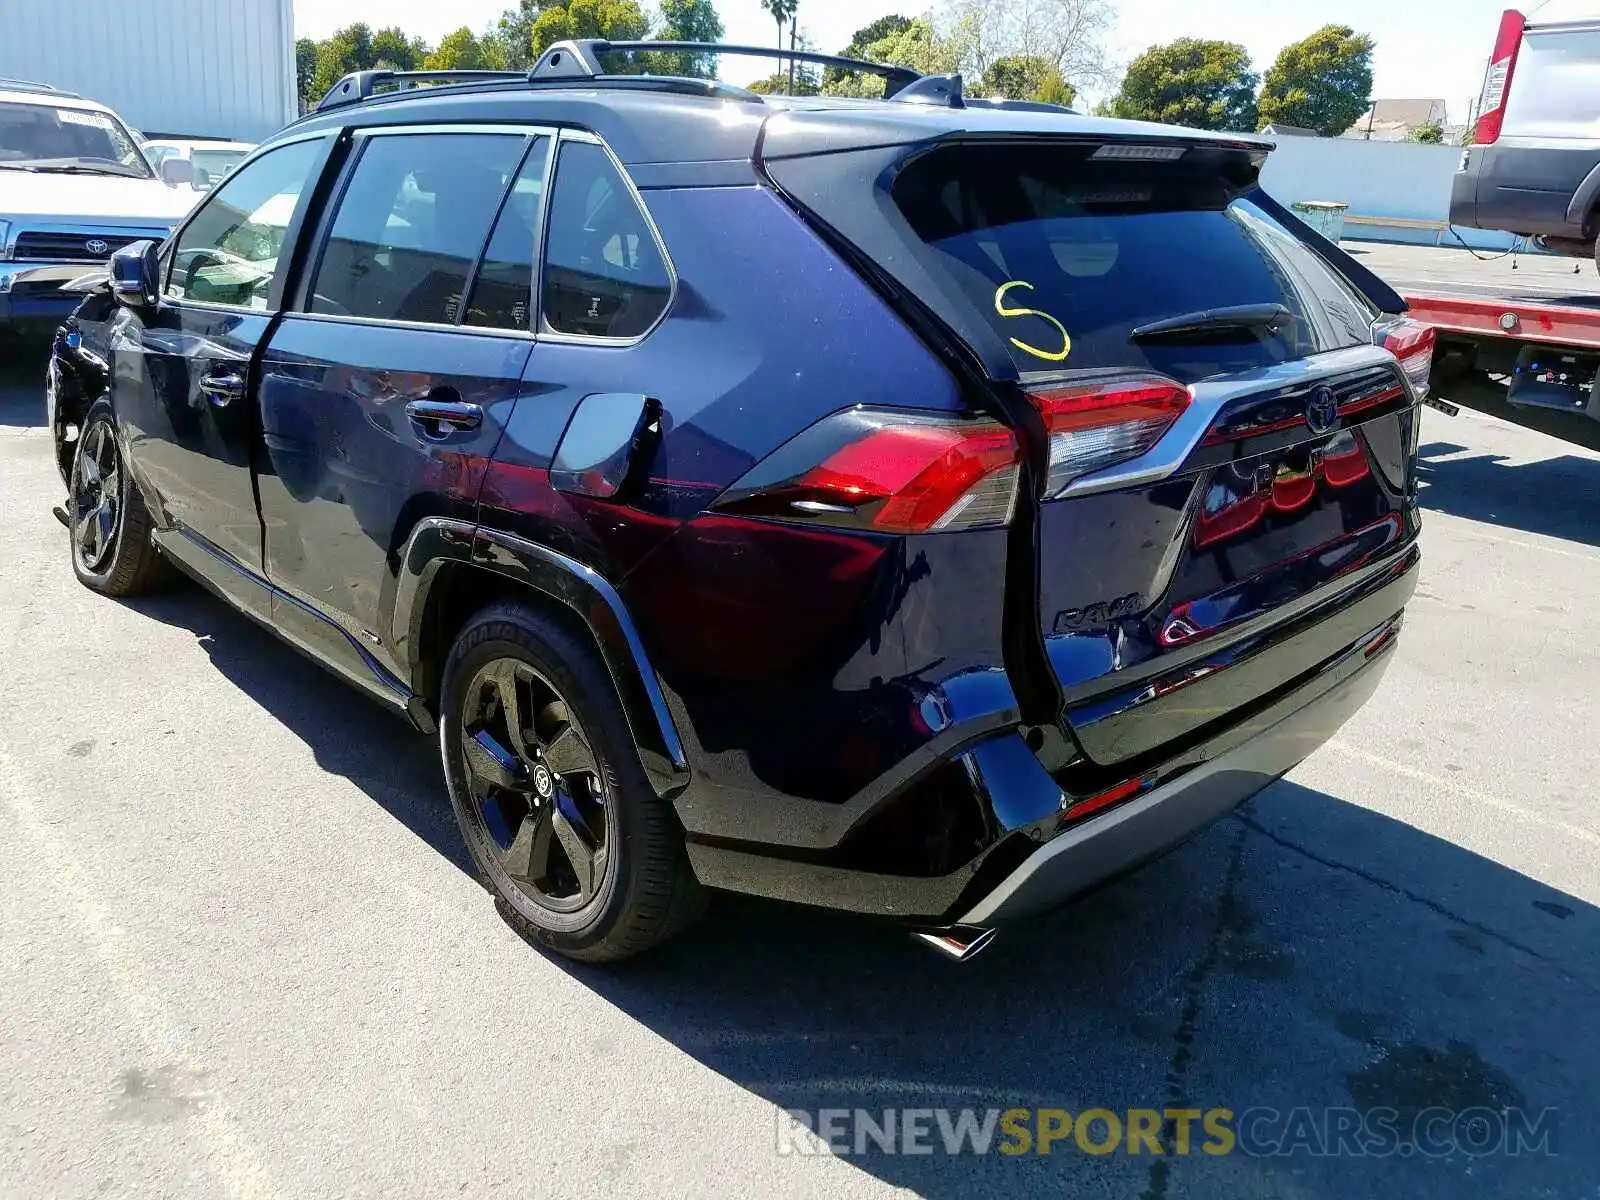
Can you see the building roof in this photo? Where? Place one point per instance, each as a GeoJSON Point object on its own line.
{"type": "Point", "coordinates": [1401, 113]}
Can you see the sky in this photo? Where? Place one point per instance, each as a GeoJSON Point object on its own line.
{"type": "Point", "coordinates": [1425, 48]}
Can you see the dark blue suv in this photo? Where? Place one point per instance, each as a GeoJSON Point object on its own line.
{"type": "Point", "coordinates": [924, 507]}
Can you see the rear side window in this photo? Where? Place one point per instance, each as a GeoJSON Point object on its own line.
{"type": "Point", "coordinates": [1066, 254]}
{"type": "Point", "coordinates": [411, 224]}
{"type": "Point", "coordinates": [604, 275]}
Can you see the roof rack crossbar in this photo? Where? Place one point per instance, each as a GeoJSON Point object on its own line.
{"type": "Point", "coordinates": [580, 59]}
{"type": "Point", "coordinates": [362, 85]}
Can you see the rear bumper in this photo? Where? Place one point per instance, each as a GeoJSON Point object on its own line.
{"type": "Point", "coordinates": [1103, 846]}
{"type": "Point", "coordinates": [1039, 860]}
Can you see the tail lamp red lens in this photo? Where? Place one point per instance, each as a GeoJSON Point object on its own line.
{"type": "Point", "coordinates": [1093, 425]}
{"type": "Point", "coordinates": [1412, 343]}
{"type": "Point", "coordinates": [1497, 79]}
{"type": "Point", "coordinates": [897, 474]}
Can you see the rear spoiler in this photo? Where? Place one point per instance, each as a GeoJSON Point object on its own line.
{"type": "Point", "coordinates": [1369, 285]}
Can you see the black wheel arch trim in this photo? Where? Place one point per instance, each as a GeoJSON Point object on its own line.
{"type": "Point", "coordinates": [438, 541]}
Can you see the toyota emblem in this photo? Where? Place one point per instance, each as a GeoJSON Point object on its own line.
{"type": "Point", "coordinates": [1322, 410]}
{"type": "Point", "coordinates": [543, 782]}
{"type": "Point", "coordinates": [97, 246]}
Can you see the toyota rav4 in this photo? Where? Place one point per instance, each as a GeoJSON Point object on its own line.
{"type": "Point", "coordinates": [923, 507]}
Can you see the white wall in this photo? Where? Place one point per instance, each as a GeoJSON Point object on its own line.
{"type": "Point", "coordinates": [1376, 179]}
{"type": "Point", "coordinates": [223, 68]}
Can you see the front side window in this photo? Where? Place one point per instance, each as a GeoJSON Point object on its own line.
{"type": "Point", "coordinates": [411, 224]}
{"type": "Point", "coordinates": [49, 138]}
{"type": "Point", "coordinates": [604, 275]}
{"type": "Point", "coordinates": [230, 252]}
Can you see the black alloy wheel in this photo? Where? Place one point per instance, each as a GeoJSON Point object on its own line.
{"type": "Point", "coordinates": [538, 797]}
{"type": "Point", "coordinates": [96, 499]}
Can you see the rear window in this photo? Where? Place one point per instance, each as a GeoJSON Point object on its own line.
{"type": "Point", "coordinates": [1066, 254]}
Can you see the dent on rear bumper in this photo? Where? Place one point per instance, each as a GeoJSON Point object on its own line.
{"type": "Point", "coordinates": [1038, 859]}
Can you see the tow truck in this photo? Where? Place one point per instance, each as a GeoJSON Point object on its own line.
{"type": "Point", "coordinates": [1516, 335]}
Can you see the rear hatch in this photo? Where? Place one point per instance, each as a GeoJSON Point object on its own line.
{"type": "Point", "coordinates": [1226, 477]}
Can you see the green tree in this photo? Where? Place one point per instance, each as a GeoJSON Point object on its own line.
{"type": "Point", "coordinates": [348, 49]}
{"type": "Point", "coordinates": [686, 21]}
{"type": "Point", "coordinates": [1192, 81]}
{"type": "Point", "coordinates": [458, 51]}
{"type": "Point", "coordinates": [305, 71]}
{"type": "Point", "coordinates": [1053, 89]}
{"type": "Point", "coordinates": [862, 38]}
{"type": "Point", "coordinates": [918, 46]}
{"type": "Point", "coordinates": [777, 84]}
{"type": "Point", "coordinates": [1026, 77]}
{"type": "Point", "coordinates": [391, 48]}
{"type": "Point", "coordinates": [1322, 83]}
{"type": "Point", "coordinates": [613, 20]}
{"type": "Point", "coordinates": [1431, 134]}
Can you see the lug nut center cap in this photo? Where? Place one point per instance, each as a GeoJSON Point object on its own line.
{"type": "Point", "coordinates": [544, 783]}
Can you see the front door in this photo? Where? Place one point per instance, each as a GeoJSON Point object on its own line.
{"type": "Point", "coordinates": [184, 370]}
{"type": "Point", "coordinates": [384, 394]}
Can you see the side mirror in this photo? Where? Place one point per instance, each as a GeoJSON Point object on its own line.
{"type": "Point", "coordinates": [135, 273]}
{"type": "Point", "coordinates": [176, 172]}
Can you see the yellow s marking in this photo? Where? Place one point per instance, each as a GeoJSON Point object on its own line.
{"type": "Point", "coordinates": [999, 307]}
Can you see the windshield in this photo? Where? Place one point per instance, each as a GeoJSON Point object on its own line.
{"type": "Point", "coordinates": [43, 137]}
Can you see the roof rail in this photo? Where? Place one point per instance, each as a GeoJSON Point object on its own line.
{"type": "Point", "coordinates": [27, 85]}
{"type": "Point", "coordinates": [361, 85]}
{"type": "Point", "coordinates": [580, 59]}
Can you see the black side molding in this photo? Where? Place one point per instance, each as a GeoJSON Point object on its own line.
{"type": "Point", "coordinates": [438, 540]}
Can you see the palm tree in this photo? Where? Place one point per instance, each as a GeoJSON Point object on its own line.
{"type": "Point", "coordinates": [782, 12]}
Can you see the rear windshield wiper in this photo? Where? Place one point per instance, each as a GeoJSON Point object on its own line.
{"type": "Point", "coordinates": [1235, 316]}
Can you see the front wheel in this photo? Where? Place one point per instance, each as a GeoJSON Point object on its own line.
{"type": "Point", "coordinates": [109, 524]}
{"type": "Point", "coordinates": [581, 854]}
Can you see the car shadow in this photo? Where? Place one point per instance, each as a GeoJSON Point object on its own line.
{"type": "Point", "coordinates": [350, 735]}
{"type": "Point", "coordinates": [1307, 952]}
{"type": "Point", "coordinates": [22, 366]}
{"type": "Point", "coordinates": [1558, 497]}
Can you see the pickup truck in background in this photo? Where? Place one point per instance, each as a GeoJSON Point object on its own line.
{"type": "Point", "coordinates": [74, 189]}
{"type": "Point", "coordinates": [1533, 168]}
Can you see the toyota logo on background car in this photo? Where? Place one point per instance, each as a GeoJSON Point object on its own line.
{"type": "Point", "coordinates": [1322, 410]}
{"type": "Point", "coordinates": [97, 246]}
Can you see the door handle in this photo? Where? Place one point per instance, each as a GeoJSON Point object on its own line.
{"type": "Point", "coordinates": [222, 389]}
{"type": "Point", "coordinates": [439, 417]}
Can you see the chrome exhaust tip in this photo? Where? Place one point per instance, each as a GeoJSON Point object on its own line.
{"type": "Point", "coordinates": [960, 942]}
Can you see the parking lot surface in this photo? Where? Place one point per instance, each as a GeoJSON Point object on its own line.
{"type": "Point", "coordinates": [243, 956]}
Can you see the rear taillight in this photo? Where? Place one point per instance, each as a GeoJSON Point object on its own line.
{"type": "Point", "coordinates": [1497, 79]}
{"type": "Point", "coordinates": [1093, 425]}
{"type": "Point", "coordinates": [1412, 343]}
{"type": "Point", "coordinates": [891, 473]}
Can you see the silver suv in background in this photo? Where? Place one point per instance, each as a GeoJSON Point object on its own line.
{"type": "Point", "coordinates": [74, 189]}
{"type": "Point", "coordinates": [1533, 167]}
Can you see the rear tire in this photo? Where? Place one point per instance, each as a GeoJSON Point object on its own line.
{"type": "Point", "coordinates": [583, 858]}
{"type": "Point", "coordinates": [109, 525]}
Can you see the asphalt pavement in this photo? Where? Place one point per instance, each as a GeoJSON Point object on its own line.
{"type": "Point", "coordinates": [243, 958]}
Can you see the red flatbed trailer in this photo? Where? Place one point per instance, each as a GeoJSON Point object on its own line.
{"type": "Point", "coordinates": [1518, 337]}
